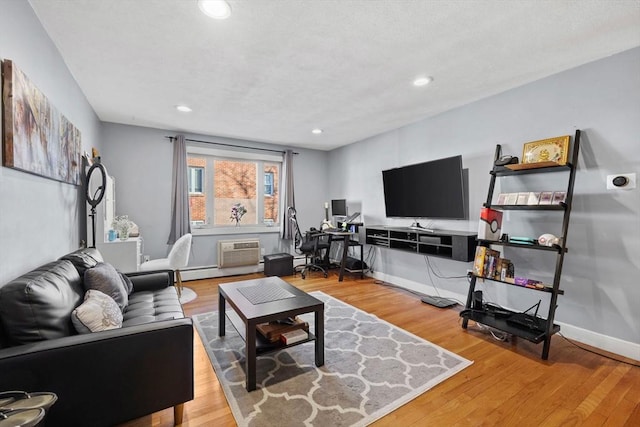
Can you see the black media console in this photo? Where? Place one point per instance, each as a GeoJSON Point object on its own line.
{"type": "Point", "coordinates": [456, 245]}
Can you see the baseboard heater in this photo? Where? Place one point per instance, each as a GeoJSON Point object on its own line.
{"type": "Point", "coordinates": [237, 253]}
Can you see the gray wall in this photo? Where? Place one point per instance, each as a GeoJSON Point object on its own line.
{"type": "Point", "coordinates": [601, 270]}
{"type": "Point", "coordinates": [140, 160]}
{"type": "Point", "coordinates": [40, 219]}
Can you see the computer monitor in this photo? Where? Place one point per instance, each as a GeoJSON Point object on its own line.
{"type": "Point", "coordinates": [339, 207]}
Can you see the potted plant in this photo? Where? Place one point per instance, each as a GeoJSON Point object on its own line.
{"type": "Point", "coordinates": [237, 211]}
{"type": "Point", "coordinates": [122, 225]}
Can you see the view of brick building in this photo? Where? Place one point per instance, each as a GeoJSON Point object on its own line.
{"type": "Point", "coordinates": [197, 199]}
{"type": "Point", "coordinates": [233, 182]}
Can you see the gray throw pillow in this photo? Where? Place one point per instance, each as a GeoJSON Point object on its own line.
{"type": "Point", "coordinates": [98, 312]}
{"type": "Point", "coordinates": [106, 279]}
{"type": "Point", "coordinates": [128, 284]}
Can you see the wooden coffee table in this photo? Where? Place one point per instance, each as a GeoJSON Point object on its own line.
{"type": "Point", "coordinates": [264, 300]}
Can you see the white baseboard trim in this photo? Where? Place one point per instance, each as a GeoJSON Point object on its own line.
{"type": "Point", "coordinates": [213, 271]}
{"type": "Point", "coordinates": [605, 342]}
{"type": "Point", "coordinates": [415, 286]}
{"type": "Point", "coordinates": [611, 344]}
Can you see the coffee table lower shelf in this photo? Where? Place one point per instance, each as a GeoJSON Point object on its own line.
{"type": "Point", "coordinates": [263, 345]}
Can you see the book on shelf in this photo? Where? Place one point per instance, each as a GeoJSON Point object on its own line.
{"type": "Point", "coordinates": [273, 330]}
{"type": "Point", "coordinates": [478, 262]}
{"type": "Point", "coordinates": [294, 336]}
{"type": "Point", "coordinates": [486, 261]}
{"type": "Point", "coordinates": [490, 263]}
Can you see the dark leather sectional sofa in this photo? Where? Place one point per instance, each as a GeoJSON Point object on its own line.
{"type": "Point", "coordinates": [101, 378]}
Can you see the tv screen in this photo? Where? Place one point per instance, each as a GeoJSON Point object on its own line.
{"type": "Point", "coordinates": [339, 207]}
{"type": "Point", "coordinates": [433, 189]}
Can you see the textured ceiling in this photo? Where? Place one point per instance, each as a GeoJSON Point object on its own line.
{"type": "Point", "coordinates": [278, 68]}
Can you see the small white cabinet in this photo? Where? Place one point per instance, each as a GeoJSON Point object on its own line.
{"type": "Point", "coordinates": [124, 255]}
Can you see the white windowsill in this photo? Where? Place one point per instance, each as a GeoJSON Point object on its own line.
{"type": "Point", "coordinates": [219, 231]}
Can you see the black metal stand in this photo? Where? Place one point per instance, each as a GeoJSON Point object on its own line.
{"type": "Point", "coordinates": [93, 227]}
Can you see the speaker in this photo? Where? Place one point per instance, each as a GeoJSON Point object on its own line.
{"type": "Point", "coordinates": [477, 300]}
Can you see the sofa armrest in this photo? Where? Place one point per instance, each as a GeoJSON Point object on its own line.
{"type": "Point", "coordinates": [106, 378]}
{"type": "Point", "coordinates": [151, 280]}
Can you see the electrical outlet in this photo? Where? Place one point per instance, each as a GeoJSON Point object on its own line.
{"type": "Point", "coordinates": [621, 181]}
{"type": "Point", "coordinates": [262, 251]}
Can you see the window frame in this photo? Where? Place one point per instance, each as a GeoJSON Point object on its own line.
{"type": "Point", "coordinates": [261, 159]}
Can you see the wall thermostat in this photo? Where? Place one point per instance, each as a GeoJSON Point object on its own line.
{"type": "Point", "coordinates": [621, 181]}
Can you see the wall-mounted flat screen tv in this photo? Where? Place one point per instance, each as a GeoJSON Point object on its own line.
{"type": "Point", "coordinates": [433, 189]}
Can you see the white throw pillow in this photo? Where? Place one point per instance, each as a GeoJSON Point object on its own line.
{"type": "Point", "coordinates": [98, 312]}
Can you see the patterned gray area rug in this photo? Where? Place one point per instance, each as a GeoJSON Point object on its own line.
{"type": "Point", "coordinates": [371, 368]}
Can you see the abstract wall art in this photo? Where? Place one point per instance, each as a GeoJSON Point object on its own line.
{"type": "Point", "coordinates": [36, 138]}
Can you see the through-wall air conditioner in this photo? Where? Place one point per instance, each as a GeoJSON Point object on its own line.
{"type": "Point", "coordinates": [236, 253]}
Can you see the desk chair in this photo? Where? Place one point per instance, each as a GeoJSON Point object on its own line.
{"type": "Point", "coordinates": [178, 258]}
{"type": "Point", "coordinates": [314, 248]}
{"type": "Point", "coordinates": [313, 245]}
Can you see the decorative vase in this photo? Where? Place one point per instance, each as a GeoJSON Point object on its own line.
{"type": "Point", "coordinates": [124, 235]}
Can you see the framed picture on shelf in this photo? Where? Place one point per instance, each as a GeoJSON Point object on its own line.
{"type": "Point", "coordinates": [545, 198]}
{"type": "Point", "coordinates": [554, 150]}
{"type": "Point", "coordinates": [512, 198]}
{"type": "Point", "coordinates": [534, 198]}
{"type": "Point", "coordinates": [502, 199]}
{"type": "Point", "coordinates": [558, 197]}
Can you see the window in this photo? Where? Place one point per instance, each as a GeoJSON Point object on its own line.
{"type": "Point", "coordinates": [196, 176]}
{"type": "Point", "coordinates": [225, 188]}
{"type": "Point", "coordinates": [268, 183]}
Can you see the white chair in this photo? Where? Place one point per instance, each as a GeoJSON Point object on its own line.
{"type": "Point", "coordinates": [178, 258]}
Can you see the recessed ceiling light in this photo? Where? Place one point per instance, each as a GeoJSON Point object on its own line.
{"type": "Point", "coordinates": [217, 9]}
{"type": "Point", "coordinates": [422, 81]}
{"type": "Point", "coordinates": [183, 108]}
{"type": "Point", "coordinates": [317, 131]}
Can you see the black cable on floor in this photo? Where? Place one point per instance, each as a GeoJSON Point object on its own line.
{"type": "Point", "coordinates": [598, 354]}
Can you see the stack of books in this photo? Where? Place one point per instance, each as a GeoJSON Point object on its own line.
{"type": "Point", "coordinates": [273, 331]}
{"type": "Point", "coordinates": [294, 336]}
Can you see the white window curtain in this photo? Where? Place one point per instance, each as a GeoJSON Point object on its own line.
{"type": "Point", "coordinates": [180, 224]}
{"type": "Point", "coordinates": [288, 233]}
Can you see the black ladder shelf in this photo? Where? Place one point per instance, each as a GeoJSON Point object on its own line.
{"type": "Point", "coordinates": [545, 328]}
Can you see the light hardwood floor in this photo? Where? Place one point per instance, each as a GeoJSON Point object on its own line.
{"type": "Point", "coordinates": [507, 385]}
